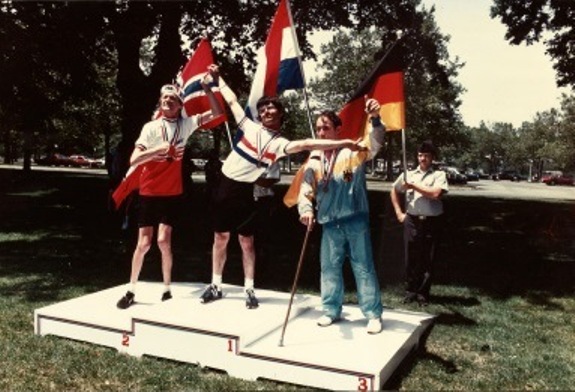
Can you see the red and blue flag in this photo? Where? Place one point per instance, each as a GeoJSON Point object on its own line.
{"type": "Point", "coordinates": [279, 64]}
{"type": "Point", "coordinates": [194, 97]}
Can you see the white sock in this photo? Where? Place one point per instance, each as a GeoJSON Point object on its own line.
{"type": "Point", "coordinates": [166, 288]}
{"type": "Point", "coordinates": [132, 287]}
{"type": "Point", "coordinates": [248, 284]}
{"type": "Point", "coordinates": [217, 279]}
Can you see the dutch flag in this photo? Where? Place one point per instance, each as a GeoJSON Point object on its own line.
{"type": "Point", "coordinates": [279, 65]}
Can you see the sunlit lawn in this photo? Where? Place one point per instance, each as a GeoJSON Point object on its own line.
{"type": "Point", "coordinates": [503, 298]}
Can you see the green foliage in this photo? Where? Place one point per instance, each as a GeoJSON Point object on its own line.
{"type": "Point", "coordinates": [545, 143]}
{"type": "Point", "coordinates": [431, 92]}
{"type": "Point", "coordinates": [503, 297]}
{"type": "Point", "coordinates": [547, 20]}
{"type": "Point", "coordinates": [83, 75]}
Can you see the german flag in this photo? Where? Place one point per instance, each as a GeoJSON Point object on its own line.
{"type": "Point", "coordinates": [384, 83]}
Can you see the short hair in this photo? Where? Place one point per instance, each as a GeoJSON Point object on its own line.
{"type": "Point", "coordinates": [331, 116]}
{"type": "Point", "coordinates": [171, 89]}
{"type": "Point", "coordinates": [427, 147]}
{"type": "Point", "coordinates": [266, 100]}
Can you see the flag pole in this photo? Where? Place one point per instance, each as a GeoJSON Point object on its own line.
{"type": "Point", "coordinates": [298, 54]}
{"type": "Point", "coordinates": [404, 154]}
{"type": "Point", "coordinates": [229, 135]}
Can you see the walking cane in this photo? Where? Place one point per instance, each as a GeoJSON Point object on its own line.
{"type": "Point", "coordinates": [281, 343]}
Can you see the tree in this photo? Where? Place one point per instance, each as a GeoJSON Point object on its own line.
{"type": "Point", "coordinates": [534, 20]}
{"type": "Point", "coordinates": [69, 51]}
{"type": "Point", "coordinates": [44, 79]}
{"type": "Point", "coordinates": [549, 139]}
{"type": "Point", "coordinates": [547, 142]}
{"type": "Point", "coordinates": [432, 94]}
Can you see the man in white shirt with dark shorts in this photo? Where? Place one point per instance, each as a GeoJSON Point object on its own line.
{"type": "Point", "coordinates": [257, 146]}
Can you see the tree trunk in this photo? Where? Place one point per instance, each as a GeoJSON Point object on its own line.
{"type": "Point", "coordinates": [139, 93]}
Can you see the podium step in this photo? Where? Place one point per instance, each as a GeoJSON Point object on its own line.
{"type": "Point", "coordinates": [243, 342]}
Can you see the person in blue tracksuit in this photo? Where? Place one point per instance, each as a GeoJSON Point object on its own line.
{"type": "Point", "coordinates": [334, 193]}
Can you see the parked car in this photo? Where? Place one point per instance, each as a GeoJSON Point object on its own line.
{"type": "Point", "coordinates": [98, 163]}
{"type": "Point", "coordinates": [507, 175]}
{"type": "Point", "coordinates": [454, 176]}
{"type": "Point", "coordinates": [472, 175]}
{"type": "Point", "coordinates": [54, 160]}
{"type": "Point", "coordinates": [558, 179]}
{"type": "Point", "coordinates": [79, 161]}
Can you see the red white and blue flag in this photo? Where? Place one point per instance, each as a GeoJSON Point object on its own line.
{"type": "Point", "coordinates": [195, 102]}
{"type": "Point", "coordinates": [193, 95]}
{"type": "Point", "coordinates": [279, 65]}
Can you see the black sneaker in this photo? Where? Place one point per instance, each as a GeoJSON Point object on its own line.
{"type": "Point", "coordinates": [166, 296]}
{"type": "Point", "coordinates": [126, 301]}
{"type": "Point", "coordinates": [211, 294]}
{"type": "Point", "coordinates": [251, 300]}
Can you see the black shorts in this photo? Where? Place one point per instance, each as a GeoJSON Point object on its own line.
{"type": "Point", "coordinates": [159, 209]}
{"type": "Point", "coordinates": [234, 208]}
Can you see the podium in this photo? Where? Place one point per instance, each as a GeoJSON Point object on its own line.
{"type": "Point", "coordinates": [227, 336]}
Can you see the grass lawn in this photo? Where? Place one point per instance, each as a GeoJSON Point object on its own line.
{"type": "Point", "coordinates": [503, 292]}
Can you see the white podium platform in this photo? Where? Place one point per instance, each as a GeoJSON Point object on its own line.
{"type": "Point", "coordinates": [243, 342]}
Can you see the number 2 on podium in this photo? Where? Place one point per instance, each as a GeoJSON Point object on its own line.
{"type": "Point", "coordinates": [125, 340]}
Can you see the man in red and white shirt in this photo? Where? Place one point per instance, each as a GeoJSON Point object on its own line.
{"type": "Point", "coordinates": [160, 148]}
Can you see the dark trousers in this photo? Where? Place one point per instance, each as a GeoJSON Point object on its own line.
{"type": "Point", "coordinates": [420, 236]}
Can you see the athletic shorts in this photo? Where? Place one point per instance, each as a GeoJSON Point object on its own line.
{"type": "Point", "coordinates": [234, 208]}
{"type": "Point", "coordinates": [159, 209]}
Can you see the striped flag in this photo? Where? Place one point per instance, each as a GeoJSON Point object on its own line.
{"type": "Point", "coordinates": [194, 96]}
{"type": "Point", "coordinates": [385, 84]}
{"type": "Point", "coordinates": [279, 65]}
{"type": "Point", "coordinates": [195, 102]}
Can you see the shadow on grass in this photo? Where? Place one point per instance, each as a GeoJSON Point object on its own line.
{"type": "Point", "coordinates": [410, 361]}
{"type": "Point", "coordinates": [454, 300]}
{"type": "Point", "coordinates": [57, 225]}
{"type": "Point", "coordinates": [454, 318]}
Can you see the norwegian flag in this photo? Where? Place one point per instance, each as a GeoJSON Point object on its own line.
{"type": "Point", "coordinates": [195, 102]}
{"type": "Point", "coordinates": [193, 95]}
{"type": "Point", "coordinates": [279, 65]}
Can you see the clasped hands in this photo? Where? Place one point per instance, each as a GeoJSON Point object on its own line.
{"type": "Point", "coordinates": [166, 151]}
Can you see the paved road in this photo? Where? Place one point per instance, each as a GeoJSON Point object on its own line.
{"type": "Point", "coordinates": [502, 189]}
{"type": "Point", "coordinates": [488, 188]}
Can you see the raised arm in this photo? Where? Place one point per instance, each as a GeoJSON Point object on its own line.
{"type": "Point", "coordinates": [229, 96]}
{"type": "Point", "coordinates": [215, 109]}
{"type": "Point", "coordinates": [375, 137]}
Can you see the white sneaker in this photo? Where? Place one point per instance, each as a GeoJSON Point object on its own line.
{"type": "Point", "coordinates": [374, 326]}
{"type": "Point", "coordinates": [325, 321]}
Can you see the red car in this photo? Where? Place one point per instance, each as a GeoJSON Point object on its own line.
{"type": "Point", "coordinates": [79, 161]}
{"type": "Point", "coordinates": [54, 160]}
{"type": "Point", "coordinates": [558, 179]}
